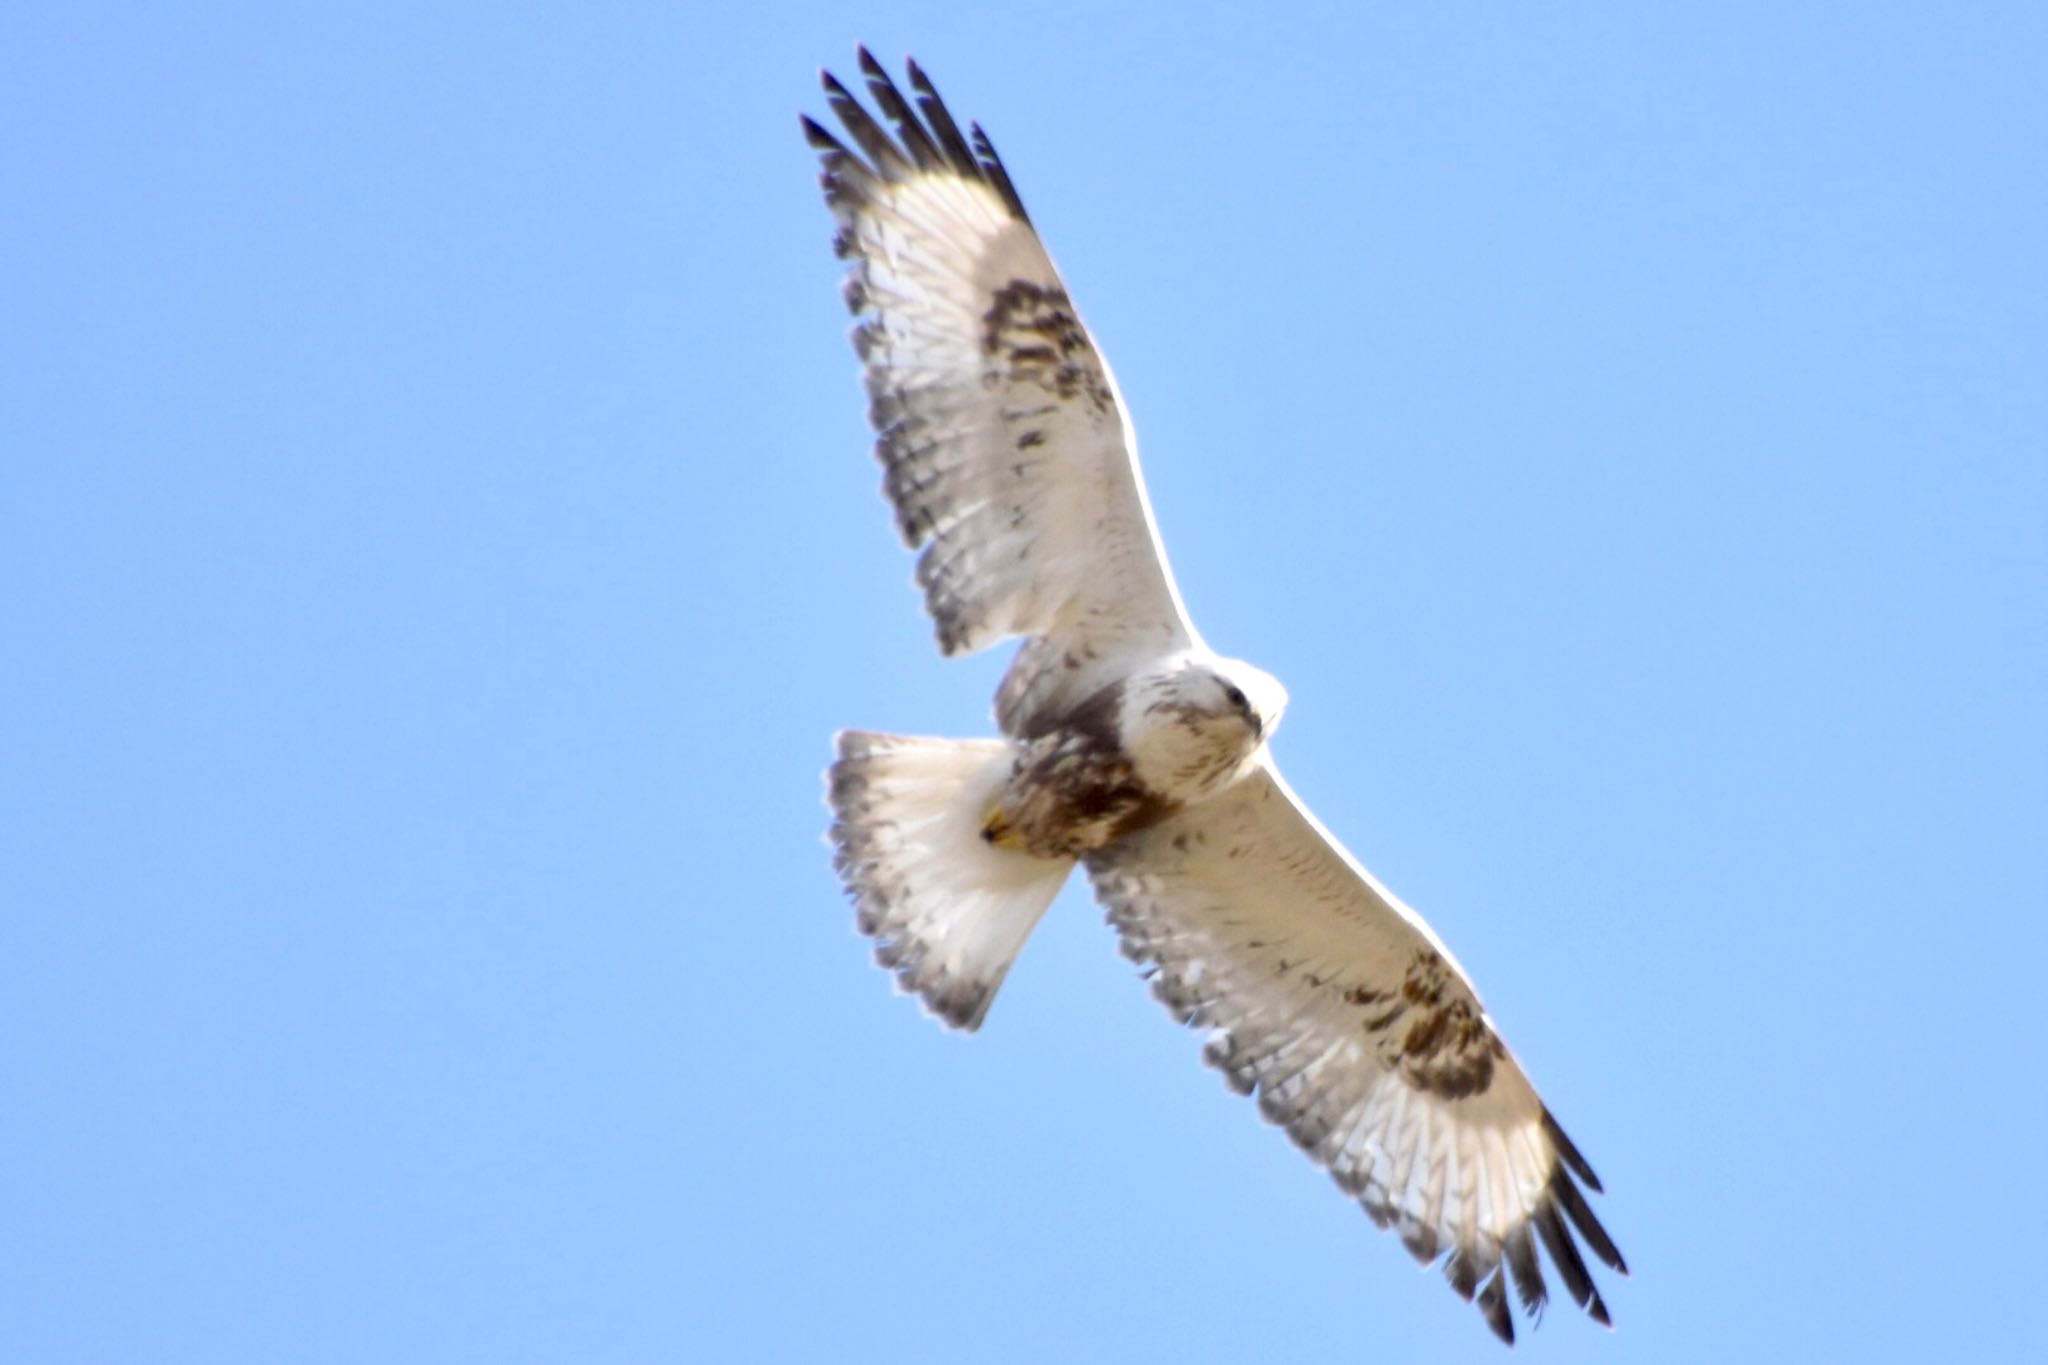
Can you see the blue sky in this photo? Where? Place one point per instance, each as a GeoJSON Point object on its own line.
{"type": "Point", "coordinates": [439, 539]}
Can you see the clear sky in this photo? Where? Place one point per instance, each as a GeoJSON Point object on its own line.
{"type": "Point", "coordinates": [438, 540]}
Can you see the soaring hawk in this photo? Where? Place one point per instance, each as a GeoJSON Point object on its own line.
{"type": "Point", "coordinates": [1131, 749]}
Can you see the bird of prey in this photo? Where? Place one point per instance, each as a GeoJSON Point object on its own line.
{"type": "Point", "coordinates": [1132, 750]}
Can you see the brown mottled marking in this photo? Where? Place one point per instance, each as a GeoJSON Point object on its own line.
{"type": "Point", "coordinates": [1379, 1023]}
{"type": "Point", "coordinates": [1447, 1048]}
{"type": "Point", "coordinates": [1072, 790]}
{"type": "Point", "coordinates": [1033, 331]}
{"type": "Point", "coordinates": [1424, 984]}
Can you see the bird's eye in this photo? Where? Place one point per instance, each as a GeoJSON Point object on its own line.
{"type": "Point", "coordinates": [1235, 695]}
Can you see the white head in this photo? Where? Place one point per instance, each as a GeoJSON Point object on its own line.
{"type": "Point", "coordinates": [1253, 694]}
{"type": "Point", "coordinates": [1193, 726]}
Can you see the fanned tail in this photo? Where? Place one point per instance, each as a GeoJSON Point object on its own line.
{"type": "Point", "coordinates": [948, 911]}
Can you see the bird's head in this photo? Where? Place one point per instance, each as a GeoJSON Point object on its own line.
{"type": "Point", "coordinates": [1250, 693]}
{"type": "Point", "coordinates": [1194, 724]}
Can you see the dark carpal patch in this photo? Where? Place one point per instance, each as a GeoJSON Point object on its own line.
{"type": "Point", "coordinates": [1032, 332]}
{"type": "Point", "coordinates": [926, 146]}
{"type": "Point", "coordinates": [1446, 1048]}
{"type": "Point", "coordinates": [1074, 791]}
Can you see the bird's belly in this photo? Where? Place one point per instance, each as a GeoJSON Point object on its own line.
{"type": "Point", "coordinates": [1068, 795]}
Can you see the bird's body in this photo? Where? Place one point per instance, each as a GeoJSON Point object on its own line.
{"type": "Point", "coordinates": [1131, 754]}
{"type": "Point", "coordinates": [1131, 749]}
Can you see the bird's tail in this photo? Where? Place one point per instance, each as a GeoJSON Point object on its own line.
{"type": "Point", "coordinates": [948, 911]}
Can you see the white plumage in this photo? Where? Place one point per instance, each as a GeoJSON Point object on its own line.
{"type": "Point", "coordinates": [1133, 749]}
{"type": "Point", "coordinates": [952, 937]}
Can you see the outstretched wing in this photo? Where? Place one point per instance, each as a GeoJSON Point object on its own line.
{"type": "Point", "coordinates": [1009, 458]}
{"type": "Point", "coordinates": [1337, 1005]}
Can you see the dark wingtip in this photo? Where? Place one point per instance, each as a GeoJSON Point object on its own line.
{"type": "Point", "coordinates": [1493, 1306]}
{"type": "Point", "coordinates": [916, 140]}
{"type": "Point", "coordinates": [815, 134]}
{"type": "Point", "coordinates": [997, 174]}
{"type": "Point", "coordinates": [1570, 1152]}
{"type": "Point", "coordinates": [1565, 1195]}
{"type": "Point", "coordinates": [1462, 1274]}
{"type": "Point", "coordinates": [1564, 1254]}
{"type": "Point", "coordinates": [1519, 1254]}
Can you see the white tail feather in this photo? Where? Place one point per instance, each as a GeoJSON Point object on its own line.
{"type": "Point", "coordinates": [948, 912]}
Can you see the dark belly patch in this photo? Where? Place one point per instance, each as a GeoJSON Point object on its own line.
{"type": "Point", "coordinates": [1069, 794]}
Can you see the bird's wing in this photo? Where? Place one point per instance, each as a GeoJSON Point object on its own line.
{"type": "Point", "coordinates": [1339, 1007]}
{"type": "Point", "coordinates": [1008, 455]}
